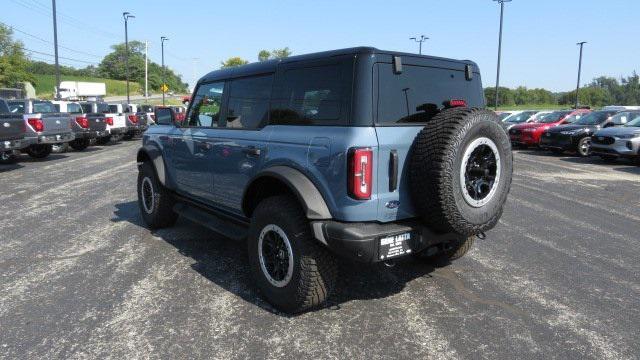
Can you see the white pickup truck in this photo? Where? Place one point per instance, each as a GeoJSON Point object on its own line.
{"type": "Point", "coordinates": [116, 123]}
{"type": "Point", "coordinates": [45, 126]}
{"type": "Point", "coordinates": [136, 122]}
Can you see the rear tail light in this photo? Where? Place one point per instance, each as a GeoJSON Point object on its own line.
{"type": "Point", "coordinates": [83, 122]}
{"type": "Point", "coordinates": [455, 103]}
{"type": "Point", "coordinates": [133, 118]}
{"type": "Point", "coordinates": [109, 121]}
{"type": "Point", "coordinates": [36, 124]}
{"type": "Point", "coordinates": [360, 173]}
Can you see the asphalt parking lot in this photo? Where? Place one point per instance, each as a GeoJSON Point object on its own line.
{"type": "Point", "coordinates": [80, 277]}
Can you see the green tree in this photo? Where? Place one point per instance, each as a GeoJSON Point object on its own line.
{"type": "Point", "coordinates": [13, 60]}
{"type": "Point", "coordinates": [264, 55]}
{"type": "Point", "coordinates": [234, 61]}
{"type": "Point", "coordinates": [281, 53]}
{"type": "Point", "coordinates": [113, 67]}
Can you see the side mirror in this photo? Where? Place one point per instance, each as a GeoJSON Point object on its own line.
{"type": "Point", "coordinates": [165, 116]}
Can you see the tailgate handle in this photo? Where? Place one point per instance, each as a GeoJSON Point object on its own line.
{"type": "Point", "coordinates": [393, 170]}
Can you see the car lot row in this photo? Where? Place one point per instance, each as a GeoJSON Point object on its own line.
{"type": "Point", "coordinates": [36, 127]}
{"type": "Point", "coordinates": [610, 133]}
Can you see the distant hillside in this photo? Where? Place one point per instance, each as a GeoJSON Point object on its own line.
{"type": "Point", "coordinates": [46, 83]}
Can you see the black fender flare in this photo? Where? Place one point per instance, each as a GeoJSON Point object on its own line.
{"type": "Point", "coordinates": [154, 154]}
{"type": "Point", "coordinates": [310, 198]}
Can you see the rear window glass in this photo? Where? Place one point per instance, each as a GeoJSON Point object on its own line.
{"type": "Point", "coordinates": [16, 107]}
{"type": "Point", "coordinates": [87, 108]}
{"type": "Point", "coordinates": [3, 107]}
{"type": "Point", "coordinates": [103, 108]}
{"type": "Point", "coordinates": [313, 96]}
{"type": "Point", "coordinates": [113, 109]}
{"type": "Point", "coordinates": [74, 108]}
{"type": "Point", "coordinates": [418, 93]}
{"type": "Point", "coordinates": [44, 107]}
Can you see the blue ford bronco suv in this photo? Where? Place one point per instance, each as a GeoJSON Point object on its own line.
{"type": "Point", "coordinates": [360, 153]}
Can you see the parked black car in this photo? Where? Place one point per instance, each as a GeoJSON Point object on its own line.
{"type": "Point", "coordinates": [577, 136]}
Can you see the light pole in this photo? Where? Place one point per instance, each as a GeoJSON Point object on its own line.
{"type": "Point", "coordinates": [581, 44]}
{"type": "Point", "coordinates": [420, 40]}
{"type": "Point", "coordinates": [499, 47]}
{"type": "Point", "coordinates": [162, 40]}
{"type": "Point", "coordinates": [126, 17]}
{"type": "Point", "coordinates": [55, 46]}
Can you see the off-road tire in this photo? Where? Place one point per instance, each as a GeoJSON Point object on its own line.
{"type": "Point", "coordinates": [79, 144]}
{"type": "Point", "coordinates": [435, 169]}
{"type": "Point", "coordinates": [314, 267]}
{"type": "Point", "coordinates": [128, 136]}
{"type": "Point", "coordinates": [160, 211]}
{"type": "Point", "coordinates": [580, 148]}
{"type": "Point", "coordinates": [103, 140]}
{"type": "Point", "coordinates": [39, 151]}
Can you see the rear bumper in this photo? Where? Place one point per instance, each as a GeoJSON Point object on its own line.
{"type": "Point", "coordinates": [116, 131]}
{"type": "Point", "coordinates": [9, 145]}
{"type": "Point", "coordinates": [49, 138]}
{"type": "Point", "coordinates": [362, 241]}
{"type": "Point", "coordinates": [91, 134]}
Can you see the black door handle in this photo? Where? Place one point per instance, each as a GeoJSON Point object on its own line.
{"type": "Point", "coordinates": [251, 151]}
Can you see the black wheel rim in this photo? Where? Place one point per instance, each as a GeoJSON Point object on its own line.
{"type": "Point", "coordinates": [276, 256]}
{"type": "Point", "coordinates": [481, 172]}
{"type": "Point", "coordinates": [147, 195]}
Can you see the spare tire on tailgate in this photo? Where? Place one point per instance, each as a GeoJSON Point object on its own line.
{"type": "Point", "coordinates": [460, 171]}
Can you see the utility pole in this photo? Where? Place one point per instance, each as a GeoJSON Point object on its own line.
{"type": "Point", "coordinates": [581, 44]}
{"type": "Point", "coordinates": [126, 17]}
{"type": "Point", "coordinates": [55, 46]}
{"type": "Point", "coordinates": [420, 40]}
{"type": "Point", "coordinates": [499, 48]}
{"type": "Point", "coordinates": [146, 69]}
{"type": "Point", "coordinates": [162, 40]}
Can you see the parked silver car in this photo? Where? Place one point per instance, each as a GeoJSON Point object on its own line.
{"type": "Point", "coordinates": [620, 141]}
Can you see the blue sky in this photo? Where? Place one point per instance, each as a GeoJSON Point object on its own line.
{"type": "Point", "coordinates": [539, 41]}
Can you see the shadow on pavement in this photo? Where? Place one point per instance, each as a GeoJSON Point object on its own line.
{"type": "Point", "coordinates": [52, 157]}
{"type": "Point", "coordinates": [225, 263]}
{"type": "Point", "coordinates": [10, 167]}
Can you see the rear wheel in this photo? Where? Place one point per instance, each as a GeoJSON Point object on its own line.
{"type": "Point", "coordinates": [584, 147]}
{"type": "Point", "coordinates": [79, 144]}
{"type": "Point", "coordinates": [460, 171]}
{"type": "Point", "coordinates": [154, 200]}
{"type": "Point", "coordinates": [103, 140]}
{"type": "Point", "coordinates": [291, 269]}
{"type": "Point", "coordinates": [7, 157]}
{"type": "Point", "coordinates": [39, 151]}
{"type": "Point", "coordinates": [128, 136]}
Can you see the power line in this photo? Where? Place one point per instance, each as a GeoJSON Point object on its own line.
{"type": "Point", "coordinates": [61, 57]}
{"type": "Point", "coordinates": [49, 42]}
{"type": "Point", "coordinates": [68, 20]}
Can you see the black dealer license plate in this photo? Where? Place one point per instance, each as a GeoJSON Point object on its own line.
{"type": "Point", "coordinates": [394, 246]}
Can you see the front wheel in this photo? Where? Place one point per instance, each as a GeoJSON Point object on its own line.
{"type": "Point", "coordinates": [79, 144]}
{"type": "Point", "coordinates": [291, 269]}
{"type": "Point", "coordinates": [39, 151]}
{"type": "Point", "coordinates": [584, 147]}
{"type": "Point", "coordinates": [154, 201]}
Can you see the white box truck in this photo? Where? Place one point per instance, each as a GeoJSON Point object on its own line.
{"type": "Point", "coordinates": [77, 90]}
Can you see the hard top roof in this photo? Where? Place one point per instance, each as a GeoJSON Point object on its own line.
{"type": "Point", "coordinates": [270, 65]}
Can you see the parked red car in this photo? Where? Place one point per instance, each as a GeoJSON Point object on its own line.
{"type": "Point", "coordinates": [528, 134]}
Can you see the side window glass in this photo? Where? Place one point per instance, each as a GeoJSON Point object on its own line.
{"type": "Point", "coordinates": [312, 96]}
{"type": "Point", "coordinates": [249, 102]}
{"type": "Point", "coordinates": [207, 103]}
{"type": "Point", "coordinates": [74, 108]}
